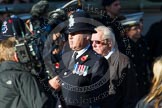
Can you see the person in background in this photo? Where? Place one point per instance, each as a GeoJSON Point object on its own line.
{"type": "Point", "coordinates": [122, 91]}
{"type": "Point", "coordinates": [154, 98]}
{"type": "Point", "coordinates": [111, 14]}
{"type": "Point", "coordinates": [18, 87]}
{"type": "Point", "coordinates": [138, 52]}
{"type": "Point", "coordinates": [112, 7]}
{"type": "Point", "coordinates": [112, 18]}
{"type": "Point", "coordinates": [57, 46]}
{"type": "Point", "coordinates": [154, 39]}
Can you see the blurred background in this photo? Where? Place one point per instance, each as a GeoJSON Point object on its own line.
{"type": "Point", "coordinates": [151, 8]}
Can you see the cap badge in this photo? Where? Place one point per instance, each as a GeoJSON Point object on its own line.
{"type": "Point", "coordinates": [4, 27]}
{"type": "Point", "coordinates": [71, 21]}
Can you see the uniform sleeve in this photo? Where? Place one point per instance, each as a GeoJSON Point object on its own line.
{"type": "Point", "coordinates": [31, 92]}
{"type": "Point", "coordinates": [99, 69]}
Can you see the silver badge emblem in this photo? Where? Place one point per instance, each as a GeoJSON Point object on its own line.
{"type": "Point", "coordinates": [71, 21]}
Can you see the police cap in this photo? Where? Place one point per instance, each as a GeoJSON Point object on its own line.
{"type": "Point", "coordinates": [80, 21]}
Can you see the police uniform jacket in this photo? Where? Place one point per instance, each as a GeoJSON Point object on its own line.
{"type": "Point", "coordinates": [82, 86]}
{"type": "Point", "coordinates": [122, 89]}
{"type": "Point", "coordinates": [19, 89]}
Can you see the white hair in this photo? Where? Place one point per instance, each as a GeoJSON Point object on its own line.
{"type": "Point", "coordinates": [107, 34]}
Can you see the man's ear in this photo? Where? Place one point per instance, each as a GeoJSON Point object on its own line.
{"type": "Point", "coordinates": [88, 37]}
{"type": "Point", "coordinates": [16, 57]}
{"type": "Point", "coordinates": [110, 43]}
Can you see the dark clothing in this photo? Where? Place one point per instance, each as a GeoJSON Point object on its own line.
{"type": "Point", "coordinates": [154, 39]}
{"type": "Point", "coordinates": [151, 104]}
{"type": "Point", "coordinates": [124, 46]}
{"type": "Point", "coordinates": [122, 89]}
{"type": "Point", "coordinates": [139, 55]}
{"type": "Point", "coordinates": [19, 89]}
{"type": "Point", "coordinates": [82, 86]}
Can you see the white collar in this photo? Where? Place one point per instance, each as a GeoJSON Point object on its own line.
{"type": "Point", "coordinates": [82, 51]}
{"type": "Point", "coordinates": [110, 53]}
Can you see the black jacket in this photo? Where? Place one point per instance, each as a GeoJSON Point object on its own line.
{"type": "Point", "coordinates": [151, 104]}
{"type": "Point", "coordinates": [85, 84]}
{"type": "Point", "coordinates": [140, 58]}
{"type": "Point", "coordinates": [19, 89]}
{"type": "Point", "coordinates": [138, 52]}
{"type": "Point", "coordinates": [154, 39]}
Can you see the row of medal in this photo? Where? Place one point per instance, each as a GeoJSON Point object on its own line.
{"type": "Point", "coordinates": [80, 69]}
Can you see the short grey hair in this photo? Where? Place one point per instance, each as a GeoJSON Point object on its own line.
{"type": "Point", "coordinates": [107, 34]}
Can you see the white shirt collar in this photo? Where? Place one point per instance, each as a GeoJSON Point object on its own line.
{"type": "Point", "coordinates": [82, 51]}
{"type": "Point", "coordinates": [110, 53]}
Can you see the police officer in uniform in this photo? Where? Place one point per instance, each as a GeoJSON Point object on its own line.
{"type": "Point", "coordinates": [138, 52]}
{"type": "Point", "coordinates": [82, 72]}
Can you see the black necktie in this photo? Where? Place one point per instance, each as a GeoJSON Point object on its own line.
{"type": "Point", "coordinates": [72, 61]}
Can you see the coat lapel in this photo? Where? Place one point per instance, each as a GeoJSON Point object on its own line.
{"type": "Point", "coordinates": [66, 58]}
{"type": "Point", "coordinates": [113, 63]}
{"type": "Point", "coordinates": [113, 66]}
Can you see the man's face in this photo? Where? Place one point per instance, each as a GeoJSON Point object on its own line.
{"type": "Point", "coordinates": [100, 45]}
{"type": "Point", "coordinates": [77, 41]}
{"type": "Point", "coordinates": [114, 9]}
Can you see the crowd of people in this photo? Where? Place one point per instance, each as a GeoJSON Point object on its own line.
{"type": "Point", "coordinates": [109, 64]}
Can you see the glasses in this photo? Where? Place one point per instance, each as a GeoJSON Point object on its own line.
{"type": "Point", "coordinates": [96, 42]}
{"type": "Point", "coordinates": [99, 42]}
